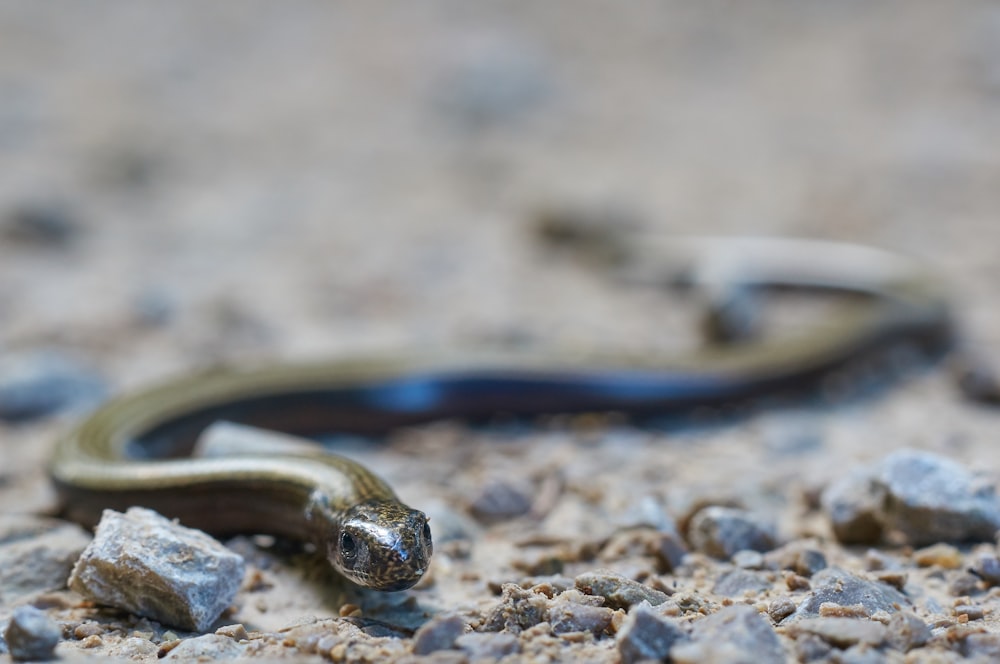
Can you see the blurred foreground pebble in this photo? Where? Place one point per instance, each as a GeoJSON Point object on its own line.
{"type": "Point", "coordinates": [146, 564]}
{"type": "Point", "coordinates": [36, 555]}
{"type": "Point", "coordinates": [32, 635]}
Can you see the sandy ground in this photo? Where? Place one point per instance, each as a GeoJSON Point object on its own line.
{"type": "Point", "coordinates": [248, 181]}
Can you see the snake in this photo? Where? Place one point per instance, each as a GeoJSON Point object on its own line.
{"type": "Point", "coordinates": [135, 450]}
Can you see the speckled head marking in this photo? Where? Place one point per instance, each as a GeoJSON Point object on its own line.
{"type": "Point", "coordinates": [380, 544]}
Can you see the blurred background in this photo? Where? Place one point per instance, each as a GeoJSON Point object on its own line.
{"type": "Point", "coordinates": [186, 183]}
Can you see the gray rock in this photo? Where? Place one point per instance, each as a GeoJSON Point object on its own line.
{"type": "Point", "coordinates": [906, 631]}
{"type": "Point", "coordinates": [36, 555]}
{"type": "Point", "coordinates": [499, 501]}
{"type": "Point", "coordinates": [781, 608]}
{"type": "Point", "coordinates": [811, 648]}
{"type": "Point", "coordinates": [646, 635]}
{"type": "Point", "coordinates": [739, 582]}
{"type": "Point", "coordinates": [568, 617]}
{"type": "Point", "coordinates": [987, 567]}
{"type": "Point", "coordinates": [801, 559]}
{"type": "Point", "coordinates": [619, 592]}
{"type": "Point", "coordinates": [31, 634]}
{"type": "Point", "coordinates": [842, 632]}
{"type": "Point", "coordinates": [834, 585]}
{"type": "Point", "coordinates": [488, 645]}
{"type": "Point", "coordinates": [48, 223]}
{"type": "Point", "coordinates": [148, 565]}
{"type": "Point", "coordinates": [722, 531]}
{"type": "Point", "coordinates": [518, 610]}
{"type": "Point", "coordinates": [925, 497]}
{"type": "Point", "coordinates": [748, 559]}
{"type": "Point", "coordinates": [930, 498]}
{"type": "Point", "coordinates": [854, 505]}
{"type": "Point", "coordinates": [35, 384]}
{"type": "Point", "coordinates": [982, 647]}
{"type": "Point", "coordinates": [736, 634]}
{"type": "Point", "coordinates": [438, 633]}
{"type": "Point", "coordinates": [206, 647]}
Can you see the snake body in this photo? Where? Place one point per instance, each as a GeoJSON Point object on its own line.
{"type": "Point", "coordinates": [135, 449]}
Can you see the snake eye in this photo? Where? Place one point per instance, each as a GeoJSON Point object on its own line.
{"type": "Point", "coordinates": [348, 547]}
{"type": "Point", "coordinates": [427, 532]}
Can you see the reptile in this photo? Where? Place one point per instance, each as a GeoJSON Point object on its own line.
{"type": "Point", "coordinates": [135, 450]}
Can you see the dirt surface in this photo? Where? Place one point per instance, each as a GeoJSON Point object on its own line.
{"type": "Point", "coordinates": [187, 185]}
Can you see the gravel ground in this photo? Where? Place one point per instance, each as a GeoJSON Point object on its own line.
{"type": "Point", "coordinates": [187, 185]}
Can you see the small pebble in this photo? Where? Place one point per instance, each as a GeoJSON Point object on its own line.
{"type": "Point", "coordinates": [237, 632]}
{"type": "Point", "coordinates": [987, 567]}
{"type": "Point", "coordinates": [925, 498]}
{"type": "Point", "coordinates": [36, 384]}
{"type": "Point", "coordinates": [736, 633]}
{"type": "Point", "coordinates": [748, 559]}
{"type": "Point", "coordinates": [811, 648]}
{"type": "Point", "coordinates": [796, 581]}
{"type": "Point", "coordinates": [971, 612]}
{"type": "Point", "coordinates": [853, 504]}
{"type": "Point", "coordinates": [670, 551]}
{"type": "Point", "coordinates": [741, 582]}
{"type": "Point", "coordinates": [41, 223]}
{"type": "Point", "coordinates": [487, 645]}
{"type": "Point", "coordinates": [982, 647]}
{"type": "Point", "coordinates": [646, 635]}
{"type": "Point", "coordinates": [148, 565]}
{"type": "Point", "coordinates": [841, 632]}
{"type": "Point", "coordinates": [906, 631]}
{"type": "Point", "coordinates": [892, 578]}
{"type": "Point", "coordinates": [568, 617]}
{"type": "Point", "coordinates": [438, 633]}
{"type": "Point", "coordinates": [938, 555]}
{"type": "Point", "coordinates": [619, 592]}
{"type": "Point", "coordinates": [36, 555]}
{"type": "Point", "coordinates": [31, 634]}
{"type": "Point", "coordinates": [499, 501]}
{"type": "Point", "coordinates": [837, 587]}
{"type": "Point", "coordinates": [206, 647]}
{"type": "Point", "coordinates": [722, 531]}
{"type": "Point", "coordinates": [964, 584]}
{"type": "Point", "coordinates": [780, 609]}
{"type": "Point", "coordinates": [519, 609]}
{"type": "Point", "coordinates": [930, 498]}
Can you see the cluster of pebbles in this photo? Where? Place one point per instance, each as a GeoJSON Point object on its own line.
{"type": "Point", "coordinates": [913, 577]}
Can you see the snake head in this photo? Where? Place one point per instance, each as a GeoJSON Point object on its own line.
{"type": "Point", "coordinates": [383, 545]}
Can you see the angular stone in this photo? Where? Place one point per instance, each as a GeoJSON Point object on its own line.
{"type": "Point", "coordinates": [146, 564]}
{"type": "Point", "coordinates": [619, 592]}
{"type": "Point", "coordinates": [488, 645]}
{"type": "Point", "coordinates": [499, 501]}
{"type": "Point", "coordinates": [568, 617]}
{"type": "Point", "coordinates": [206, 647]}
{"type": "Point", "coordinates": [722, 531]}
{"type": "Point", "coordinates": [646, 635]}
{"type": "Point", "coordinates": [438, 633]}
{"type": "Point", "coordinates": [854, 505]}
{"type": "Point", "coordinates": [834, 585]}
{"type": "Point", "coordinates": [841, 632]}
{"type": "Point", "coordinates": [930, 498]}
{"type": "Point", "coordinates": [738, 582]}
{"type": "Point", "coordinates": [36, 555]}
{"type": "Point", "coordinates": [31, 634]}
{"type": "Point", "coordinates": [736, 633]}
